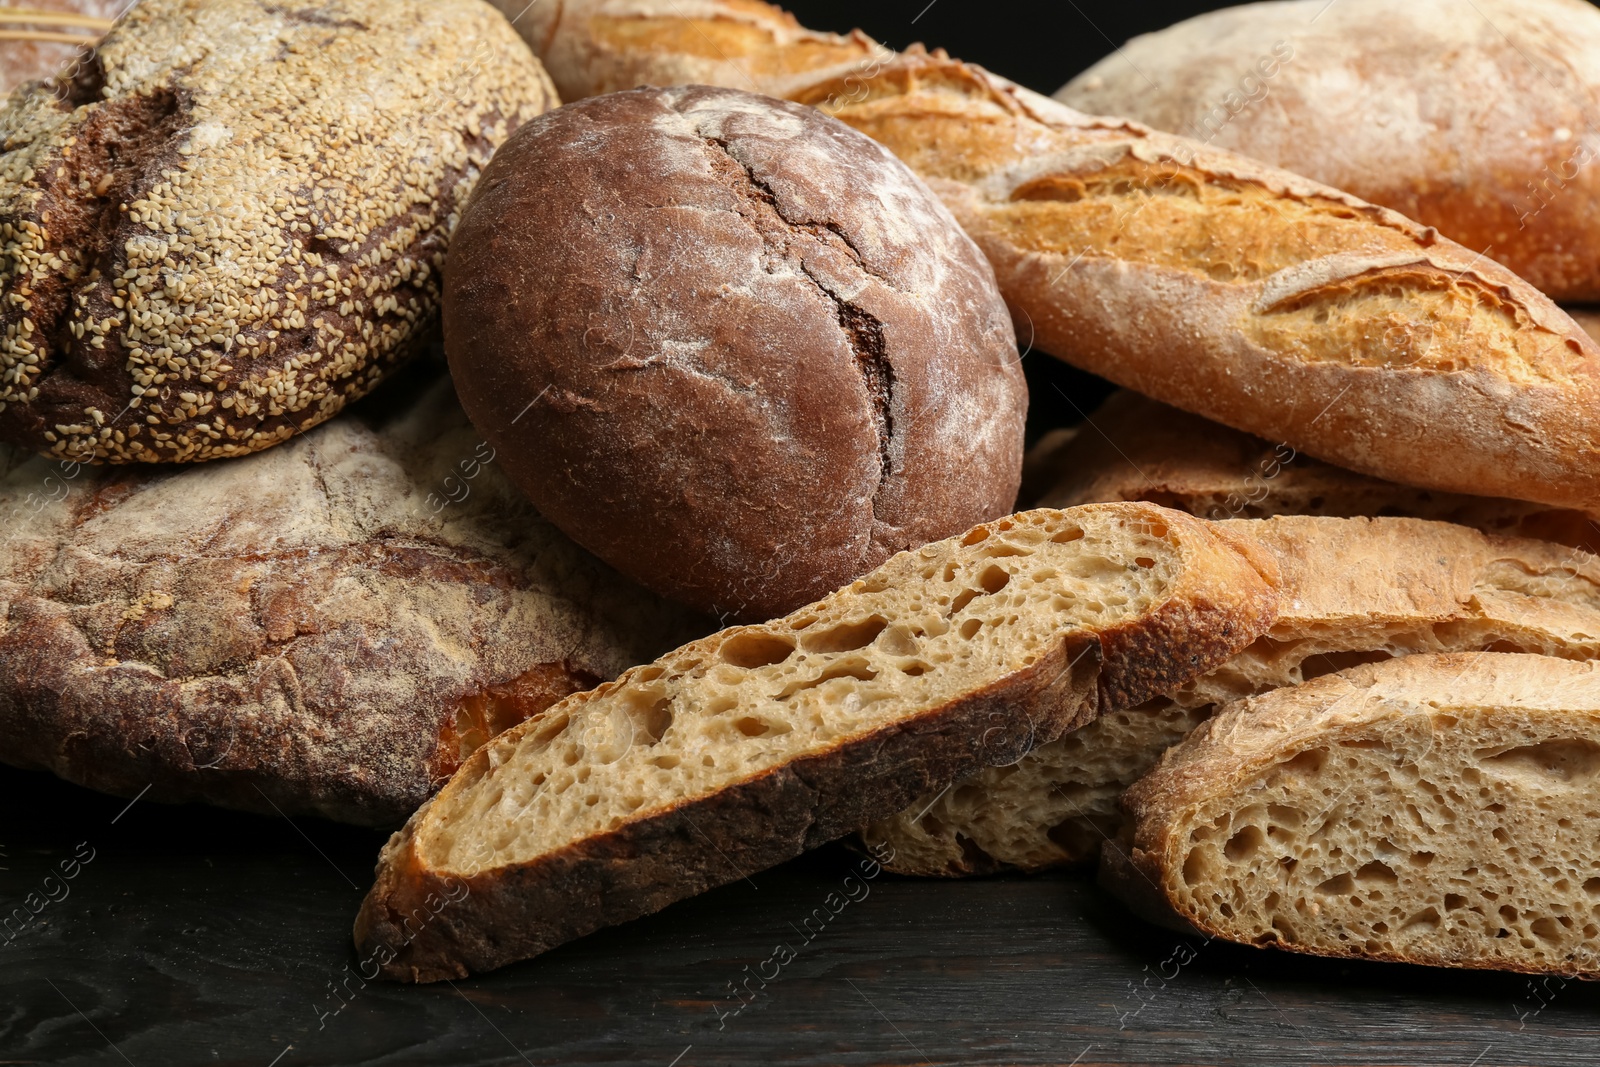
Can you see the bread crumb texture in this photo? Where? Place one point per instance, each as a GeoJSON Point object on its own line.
{"type": "Point", "coordinates": [1439, 809]}
{"type": "Point", "coordinates": [232, 220]}
{"type": "Point", "coordinates": [330, 627]}
{"type": "Point", "coordinates": [1354, 591]}
{"type": "Point", "coordinates": [740, 750]}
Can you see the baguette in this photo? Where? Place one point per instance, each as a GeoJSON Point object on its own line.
{"type": "Point", "coordinates": [1354, 590]}
{"type": "Point", "coordinates": [743, 749]}
{"type": "Point", "coordinates": [1135, 448]}
{"type": "Point", "coordinates": [1250, 295]}
{"type": "Point", "coordinates": [1476, 119]}
{"type": "Point", "coordinates": [1435, 810]}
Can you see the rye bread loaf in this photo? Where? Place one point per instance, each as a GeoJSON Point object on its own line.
{"type": "Point", "coordinates": [1353, 591]}
{"type": "Point", "coordinates": [741, 750]}
{"type": "Point", "coordinates": [747, 398]}
{"type": "Point", "coordinates": [41, 37]}
{"type": "Point", "coordinates": [1135, 448]}
{"type": "Point", "coordinates": [1251, 295]}
{"type": "Point", "coordinates": [232, 220]}
{"type": "Point", "coordinates": [329, 628]}
{"type": "Point", "coordinates": [1478, 120]}
{"type": "Point", "coordinates": [1435, 810]}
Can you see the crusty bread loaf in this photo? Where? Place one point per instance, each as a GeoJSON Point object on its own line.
{"type": "Point", "coordinates": [604, 46]}
{"type": "Point", "coordinates": [749, 398]}
{"type": "Point", "coordinates": [740, 750]}
{"type": "Point", "coordinates": [232, 220]}
{"type": "Point", "coordinates": [1248, 294]}
{"type": "Point", "coordinates": [1435, 809]}
{"type": "Point", "coordinates": [1476, 120]}
{"type": "Point", "coordinates": [1354, 590]}
{"type": "Point", "coordinates": [330, 627]}
{"type": "Point", "coordinates": [1135, 448]}
{"type": "Point", "coordinates": [40, 37]}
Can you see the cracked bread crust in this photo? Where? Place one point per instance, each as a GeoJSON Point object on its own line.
{"type": "Point", "coordinates": [731, 346]}
{"type": "Point", "coordinates": [323, 628]}
{"type": "Point", "coordinates": [1477, 121]}
{"type": "Point", "coordinates": [232, 220]}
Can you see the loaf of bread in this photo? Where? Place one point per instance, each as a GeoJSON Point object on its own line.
{"type": "Point", "coordinates": [328, 628]}
{"type": "Point", "coordinates": [1434, 809]}
{"type": "Point", "coordinates": [748, 398]}
{"type": "Point", "coordinates": [1478, 121]}
{"type": "Point", "coordinates": [1135, 448]}
{"type": "Point", "coordinates": [47, 36]}
{"type": "Point", "coordinates": [741, 750]}
{"type": "Point", "coordinates": [1353, 591]}
{"type": "Point", "coordinates": [1250, 295]}
{"type": "Point", "coordinates": [232, 219]}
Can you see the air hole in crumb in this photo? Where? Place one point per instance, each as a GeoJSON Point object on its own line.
{"type": "Point", "coordinates": [1337, 886]}
{"type": "Point", "coordinates": [993, 579]}
{"type": "Point", "coordinates": [970, 628]}
{"type": "Point", "coordinates": [1067, 536]}
{"type": "Point", "coordinates": [1592, 887]}
{"type": "Point", "coordinates": [1243, 844]}
{"type": "Point", "coordinates": [755, 648]}
{"type": "Point", "coordinates": [1428, 917]}
{"type": "Point", "coordinates": [975, 536]}
{"type": "Point", "coordinates": [1377, 871]}
{"type": "Point", "coordinates": [845, 637]}
{"type": "Point", "coordinates": [1144, 561]}
{"type": "Point", "coordinates": [1545, 929]}
{"type": "Point", "coordinates": [751, 726]}
{"type": "Point", "coordinates": [1454, 901]}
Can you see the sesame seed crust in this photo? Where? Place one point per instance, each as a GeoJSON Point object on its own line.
{"type": "Point", "coordinates": [232, 221]}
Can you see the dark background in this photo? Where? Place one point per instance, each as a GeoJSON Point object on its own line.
{"type": "Point", "coordinates": [197, 936]}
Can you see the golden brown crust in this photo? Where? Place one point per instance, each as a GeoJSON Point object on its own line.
{"type": "Point", "coordinates": [232, 221]}
{"type": "Point", "coordinates": [1135, 448]}
{"type": "Point", "coordinates": [1476, 122]}
{"type": "Point", "coordinates": [324, 627]}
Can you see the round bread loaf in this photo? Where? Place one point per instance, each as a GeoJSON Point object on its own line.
{"type": "Point", "coordinates": [231, 220]}
{"type": "Point", "coordinates": [1476, 118]}
{"type": "Point", "coordinates": [730, 345]}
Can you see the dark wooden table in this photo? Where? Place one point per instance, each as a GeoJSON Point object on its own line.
{"type": "Point", "coordinates": [195, 936]}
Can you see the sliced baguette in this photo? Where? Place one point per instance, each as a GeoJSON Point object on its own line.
{"type": "Point", "coordinates": [1135, 448]}
{"type": "Point", "coordinates": [741, 750]}
{"type": "Point", "coordinates": [1436, 809]}
{"type": "Point", "coordinates": [1354, 590]}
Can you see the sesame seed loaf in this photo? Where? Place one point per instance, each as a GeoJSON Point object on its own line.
{"type": "Point", "coordinates": [232, 220]}
{"type": "Point", "coordinates": [1436, 810]}
{"type": "Point", "coordinates": [1477, 120]}
{"type": "Point", "coordinates": [1251, 295]}
{"type": "Point", "coordinates": [326, 628]}
{"type": "Point", "coordinates": [741, 750]}
{"type": "Point", "coordinates": [1353, 590]}
{"type": "Point", "coordinates": [1135, 448]}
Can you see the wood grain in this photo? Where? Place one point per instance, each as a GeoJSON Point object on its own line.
{"type": "Point", "coordinates": [197, 936]}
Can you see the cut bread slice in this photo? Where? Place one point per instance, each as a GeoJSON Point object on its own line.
{"type": "Point", "coordinates": [1354, 590]}
{"type": "Point", "coordinates": [1435, 809]}
{"type": "Point", "coordinates": [1134, 448]}
{"type": "Point", "coordinates": [743, 749]}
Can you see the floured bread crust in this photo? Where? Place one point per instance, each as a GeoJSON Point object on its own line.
{"type": "Point", "coordinates": [327, 628]}
{"type": "Point", "coordinates": [231, 221]}
{"type": "Point", "coordinates": [1475, 118]}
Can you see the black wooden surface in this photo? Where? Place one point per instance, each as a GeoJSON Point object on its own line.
{"type": "Point", "coordinates": [195, 936]}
